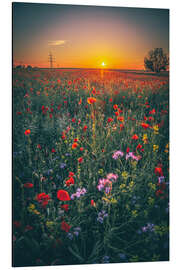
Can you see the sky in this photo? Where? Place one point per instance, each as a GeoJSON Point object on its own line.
{"type": "Point", "coordinates": [87, 36]}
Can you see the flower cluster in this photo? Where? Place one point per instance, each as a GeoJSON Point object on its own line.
{"type": "Point", "coordinates": [79, 192]}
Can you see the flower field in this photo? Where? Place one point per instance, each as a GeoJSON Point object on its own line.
{"type": "Point", "coordinates": [90, 167]}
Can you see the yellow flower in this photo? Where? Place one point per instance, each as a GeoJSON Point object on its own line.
{"type": "Point", "coordinates": [152, 186]}
{"type": "Point", "coordinates": [134, 213]}
{"type": "Point", "coordinates": [49, 223]}
{"type": "Point", "coordinates": [122, 186]}
{"type": "Point", "coordinates": [150, 201]}
{"type": "Point", "coordinates": [131, 184]}
{"type": "Point", "coordinates": [145, 138]}
{"type": "Point", "coordinates": [125, 175]}
{"type": "Point", "coordinates": [156, 129]}
{"type": "Point", "coordinates": [155, 148]}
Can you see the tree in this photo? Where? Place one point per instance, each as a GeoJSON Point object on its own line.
{"type": "Point", "coordinates": [156, 60]}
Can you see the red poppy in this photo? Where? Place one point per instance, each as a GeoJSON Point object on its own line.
{"type": "Point", "coordinates": [53, 150]}
{"type": "Point", "coordinates": [120, 118]}
{"type": "Point", "coordinates": [92, 203]}
{"type": "Point", "coordinates": [144, 125]}
{"type": "Point", "coordinates": [28, 185]}
{"type": "Point", "coordinates": [153, 111]}
{"type": "Point", "coordinates": [91, 100]}
{"type": "Point", "coordinates": [110, 100]}
{"type": "Point", "coordinates": [65, 227]}
{"type": "Point", "coordinates": [159, 192]}
{"type": "Point", "coordinates": [110, 120]}
{"type": "Point", "coordinates": [116, 113]}
{"type": "Point", "coordinates": [27, 131]}
{"type": "Point", "coordinates": [65, 207]}
{"type": "Point", "coordinates": [139, 146]}
{"type": "Point", "coordinates": [84, 128]}
{"type": "Point", "coordinates": [43, 198]}
{"type": "Point", "coordinates": [135, 137]}
{"type": "Point", "coordinates": [39, 146]}
{"type": "Point", "coordinates": [73, 120]}
{"type": "Point", "coordinates": [74, 145]}
{"type": "Point", "coordinates": [80, 160]}
{"type": "Point", "coordinates": [127, 150]}
{"type": "Point", "coordinates": [81, 149]}
{"type": "Point", "coordinates": [158, 171]}
{"type": "Point", "coordinates": [115, 106]}
{"type": "Point", "coordinates": [76, 140]}
{"type": "Point", "coordinates": [71, 174]}
{"type": "Point", "coordinates": [70, 181]}
{"type": "Point", "coordinates": [63, 195]}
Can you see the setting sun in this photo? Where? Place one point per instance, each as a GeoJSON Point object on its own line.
{"type": "Point", "coordinates": [103, 64]}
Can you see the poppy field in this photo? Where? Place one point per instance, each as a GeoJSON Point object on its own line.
{"type": "Point", "coordinates": [90, 167]}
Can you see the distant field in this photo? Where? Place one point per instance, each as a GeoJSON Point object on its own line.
{"type": "Point", "coordinates": [90, 166]}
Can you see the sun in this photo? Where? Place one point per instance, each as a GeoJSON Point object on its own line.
{"type": "Point", "coordinates": [103, 64]}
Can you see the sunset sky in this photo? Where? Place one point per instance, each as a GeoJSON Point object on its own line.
{"type": "Point", "coordinates": [87, 36]}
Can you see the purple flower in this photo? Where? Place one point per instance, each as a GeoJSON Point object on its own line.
{"type": "Point", "coordinates": [117, 154]}
{"type": "Point", "coordinates": [111, 176]}
{"type": "Point", "coordinates": [62, 165]}
{"type": "Point", "coordinates": [161, 179]}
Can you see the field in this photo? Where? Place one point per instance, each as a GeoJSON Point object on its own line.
{"type": "Point", "coordinates": [90, 167]}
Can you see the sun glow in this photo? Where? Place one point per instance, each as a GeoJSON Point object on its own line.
{"type": "Point", "coordinates": [103, 64]}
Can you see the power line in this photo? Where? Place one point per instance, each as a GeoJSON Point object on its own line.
{"type": "Point", "coordinates": [51, 60]}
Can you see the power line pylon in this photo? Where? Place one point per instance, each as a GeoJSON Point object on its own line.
{"type": "Point", "coordinates": [51, 60]}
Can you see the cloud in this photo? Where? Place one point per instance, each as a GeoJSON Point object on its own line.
{"type": "Point", "coordinates": [57, 42]}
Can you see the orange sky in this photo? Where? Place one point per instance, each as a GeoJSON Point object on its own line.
{"type": "Point", "coordinates": [82, 36]}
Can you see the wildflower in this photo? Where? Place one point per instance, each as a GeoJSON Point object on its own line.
{"type": "Point", "coordinates": [53, 150]}
{"type": "Point", "coordinates": [145, 125]}
{"type": "Point", "coordinates": [91, 100]}
{"type": "Point", "coordinates": [73, 120]}
{"type": "Point", "coordinates": [39, 146]}
{"type": "Point", "coordinates": [79, 192]}
{"type": "Point", "coordinates": [161, 179]}
{"type": "Point", "coordinates": [145, 138]}
{"type": "Point", "coordinates": [74, 145]}
{"type": "Point", "coordinates": [101, 216]}
{"type": "Point", "coordinates": [156, 129]}
{"type": "Point", "coordinates": [28, 185]}
{"type": "Point", "coordinates": [70, 236]}
{"type": "Point", "coordinates": [43, 199]}
{"type": "Point", "coordinates": [81, 149]}
{"type": "Point", "coordinates": [153, 111]}
{"type": "Point", "coordinates": [155, 147]}
{"type": "Point", "coordinates": [139, 146]}
{"type": "Point", "coordinates": [105, 184]}
{"type": "Point", "coordinates": [27, 131]}
{"type": "Point", "coordinates": [63, 195]}
{"type": "Point", "coordinates": [110, 120]}
{"type": "Point", "coordinates": [117, 154]}
{"type": "Point", "coordinates": [125, 175]}
{"type": "Point", "coordinates": [120, 118]}
{"type": "Point", "coordinates": [62, 165]}
{"type": "Point", "coordinates": [93, 203]}
{"type": "Point", "coordinates": [80, 160]}
{"type": "Point", "coordinates": [71, 174]}
{"type": "Point", "coordinates": [65, 227]}
{"type": "Point", "coordinates": [135, 137]}
{"type": "Point", "coordinates": [158, 171]}
{"type": "Point", "coordinates": [111, 176]}
{"type": "Point", "coordinates": [70, 181]}
{"type": "Point", "coordinates": [84, 128]}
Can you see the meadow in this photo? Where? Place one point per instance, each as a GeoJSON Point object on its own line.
{"type": "Point", "coordinates": [90, 167]}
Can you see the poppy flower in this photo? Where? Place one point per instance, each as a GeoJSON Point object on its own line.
{"type": "Point", "coordinates": [81, 149]}
{"type": "Point", "coordinates": [158, 171]}
{"type": "Point", "coordinates": [76, 140]}
{"type": "Point", "coordinates": [80, 160]}
{"type": "Point", "coordinates": [70, 181]}
{"type": "Point", "coordinates": [43, 198]}
{"type": "Point", "coordinates": [153, 111]}
{"type": "Point", "coordinates": [65, 227]}
{"type": "Point", "coordinates": [110, 100]}
{"type": "Point", "coordinates": [84, 128]}
{"type": "Point", "coordinates": [120, 118]}
{"type": "Point", "coordinates": [74, 145]}
{"type": "Point", "coordinates": [110, 120]}
{"type": "Point", "coordinates": [115, 106]}
{"type": "Point", "coordinates": [135, 137]}
{"type": "Point", "coordinates": [28, 185]}
{"type": "Point", "coordinates": [53, 150]}
{"type": "Point", "coordinates": [71, 174]}
{"type": "Point", "coordinates": [144, 125]}
{"type": "Point", "coordinates": [91, 100]}
{"type": "Point", "coordinates": [116, 113]}
{"type": "Point", "coordinates": [63, 195]}
{"type": "Point", "coordinates": [27, 131]}
{"type": "Point", "coordinates": [127, 150]}
{"type": "Point", "coordinates": [139, 146]}
{"type": "Point", "coordinates": [73, 120]}
{"type": "Point", "coordinates": [93, 203]}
